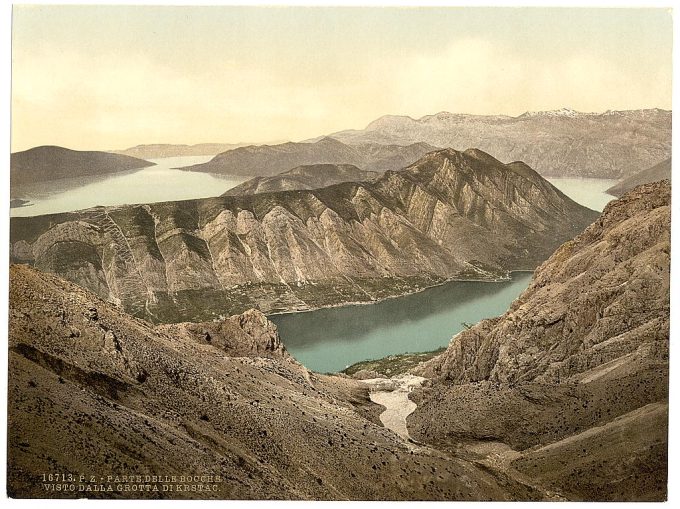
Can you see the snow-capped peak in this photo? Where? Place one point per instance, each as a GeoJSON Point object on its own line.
{"type": "Point", "coordinates": [562, 112]}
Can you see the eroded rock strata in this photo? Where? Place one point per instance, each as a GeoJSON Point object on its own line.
{"type": "Point", "coordinates": [450, 215]}
{"type": "Point", "coordinates": [570, 386]}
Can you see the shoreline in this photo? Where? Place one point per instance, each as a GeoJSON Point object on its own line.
{"type": "Point", "coordinates": [413, 292]}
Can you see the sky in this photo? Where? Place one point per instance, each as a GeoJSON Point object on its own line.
{"type": "Point", "coordinates": [109, 77]}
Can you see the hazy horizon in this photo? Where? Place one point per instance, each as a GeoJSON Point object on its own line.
{"type": "Point", "coordinates": [112, 77]}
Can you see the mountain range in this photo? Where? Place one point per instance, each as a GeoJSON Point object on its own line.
{"type": "Point", "coordinates": [565, 396]}
{"type": "Point", "coordinates": [312, 176]}
{"type": "Point", "coordinates": [450, 215]}
{"type": "Point", "coordinates": [560, 143]}
{"type": "Point", "coordinates": [159, 150]}
{"type": "Point", "coordinates": [268, 160]}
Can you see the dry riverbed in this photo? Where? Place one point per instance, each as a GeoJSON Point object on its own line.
{"type": "Point", "coordinates": [392, 393]}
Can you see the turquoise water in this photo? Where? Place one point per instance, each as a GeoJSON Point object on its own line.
{"type": "Point", "coordinates": [147, 185]}
{"type": "Point", "coordinates": [331, 339]}
{"type": "Point", "coordinates": [588, 192]}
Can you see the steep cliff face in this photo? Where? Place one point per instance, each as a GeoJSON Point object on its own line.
{"type": "Point", "coordinates": [311, 176]}
{"type": "Point", "coordinates": [451, 214]}
{"type": "Point", "coordinates": [560, 143]}
{"type": "Point", "coordinates": [268, 160]}
{"type": "Point", "coordinates": [580, 356]}
{"type": "Point", "coordinates": [94, 391]}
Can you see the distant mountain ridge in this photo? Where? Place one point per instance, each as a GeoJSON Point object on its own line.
{"type": "Point", "coordinates": [45, 163]}
{"type": "Point", "coordinates": [559, 143]}
{"type": "Point", "coordinates": [268, 160]}
{"type": "Point", "coordinates": [312, 176]}
{"type": "Point", "coordinates": [160, 150]}
{"type": "Point", "coordinates": [449, 215]}
{"type": "Point", "coordinates": [661, 171]}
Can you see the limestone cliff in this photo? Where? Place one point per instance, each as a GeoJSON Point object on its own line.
{"type": "Point", "coordinates": [579, 359]}
{"type": "Point", "coordinates": [450, 215]}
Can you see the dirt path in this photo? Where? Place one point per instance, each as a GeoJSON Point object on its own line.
{"type": "Point", "coordinates": [392, 393]}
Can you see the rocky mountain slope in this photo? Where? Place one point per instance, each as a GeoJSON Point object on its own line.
{"type": "Point", "coordinates": [268, 160]}
{"type": "Point", "coordinates": [570, 386]}
{"type": "Point", "coordinates": [311, 176]}
{"type": "Point", "coordinates": [661, 171]}
{"type": "Point", "coordinates": [42, 164]}
{"type": "Point", "coordinates": [561, 143]}
{"type": "Point", "coordinates": [450, 215]}
{"type": "Point", "coordinates": [158, 150]}
{"type": "Point", "coordinates": [97, 393]}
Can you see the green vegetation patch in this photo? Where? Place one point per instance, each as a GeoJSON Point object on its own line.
{"type": "Point", "coordinates": [393, 364]}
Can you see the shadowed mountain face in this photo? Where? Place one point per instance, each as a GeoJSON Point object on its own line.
{"type": "Point", "coordinates": [661, 171]}
{"type": "Point", "coordinates": [92, 390]}
{"type": "Point", "coordinates": [158, 150]}
{"type": "Point", "coordinates": [268, 160]}
{"type": "Point", "coordinates": [42, 164]}
{"type": "Point", "coordinates": [577, 369]}
{"type": "Point", "coordinates": [561, 143]}
{"type": "Point", "coordinates": [311, 176]}
{"type": "Point", "coordinates": [450, 215]}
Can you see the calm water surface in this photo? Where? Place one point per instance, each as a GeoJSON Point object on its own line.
{"type": "Point", "coordinates": [588, 192]}
{"type": "Point", "coordinates": [333, 338]}
{"type": "Point", "coordinates": [147, 185]}
{"type": "Point", "coordinates": [327, 339]}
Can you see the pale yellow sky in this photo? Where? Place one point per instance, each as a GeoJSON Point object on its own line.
{"type": "Point", "coordinates": [95, 77]}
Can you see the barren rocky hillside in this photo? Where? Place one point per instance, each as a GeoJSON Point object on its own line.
{"type": "Point", "coordinates": [42, 164]}
{"type": "Point", "coordinates": [450, 215]}
{"type": "Point", "coordinates": [560, 143]}
{"type": "Point", "coordinates": [574, 377]}
{"type": "Point", "coordinates": [96, 392]}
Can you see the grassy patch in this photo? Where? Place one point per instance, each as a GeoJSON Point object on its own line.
{"type": "Point", "coordinates": [393, 364]}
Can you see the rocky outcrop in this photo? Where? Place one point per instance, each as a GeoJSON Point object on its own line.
{"type": "Point", "coordinates": [43, 164]}
{"type": "Point", "coordinates": [93, 391]}
{"type": "Point", "coordinates": [450, 215]}
{"type": "Point", "coordinates": [311, 176]}
{"type": "Point", "coordinates": [248, 334]}
{"type": "Point", "coordinates": [561, 143]}
{"type": "Point", "coordinates": [661, 171]}
{"type": "Point", "coordinates": [269, 160]}
{"type": "Point", "coordinates": [586, 343]}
